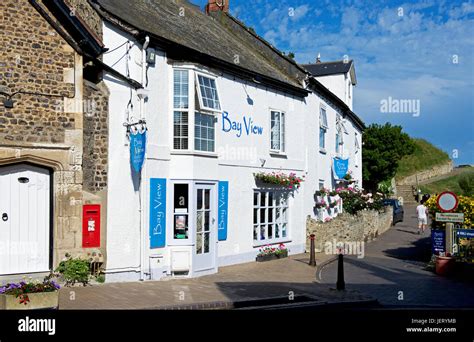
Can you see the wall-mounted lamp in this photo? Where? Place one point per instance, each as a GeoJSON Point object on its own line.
{"type": "Point", "coordinates": [8, 102]}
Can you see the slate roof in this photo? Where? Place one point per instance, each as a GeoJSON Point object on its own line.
{"type": "Point", "coordinates": [329, 68]}
{"type": "Point", "coordinates": [214, 36]}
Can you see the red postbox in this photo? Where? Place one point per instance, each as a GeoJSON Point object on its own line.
{"type": "Point", "coordinates": [91, 225]}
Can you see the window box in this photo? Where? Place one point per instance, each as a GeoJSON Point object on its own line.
{"type": "Point", "coordinates": [281, 255]}
{"type": "Point", "coordinates": [41, 300]}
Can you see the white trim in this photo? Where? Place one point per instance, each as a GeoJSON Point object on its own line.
{"type": "Point", "coordinates": [199, 93]}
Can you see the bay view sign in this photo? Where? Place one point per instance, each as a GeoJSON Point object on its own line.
{"type": "Point", "coordinates": [246, 125]}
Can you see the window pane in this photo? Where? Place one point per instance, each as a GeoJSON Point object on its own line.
{"type": "Point", "coordinates": [275, 131]}
{"type": "Point", "coordinates": [323, 121]}
{"type": "Point", "coordinates": [180, 130]}
{"type": "Point", "coordinates": [263, 198]}
{"type": "Point", "coordinates": [208, 91]}
{"type": "Point", "coordinates": [181, 87]}
{"type": "Point", "coordinates": [262, 216]}
{"type": "Point", "coordinates": [282, 128]}
{"type": "Point", "coordinates": [199, 199]}
{"type": "Point", "coordinates": [277, 230]}
{"type": "Point", "coordinates": [270, 231]}
{"type": "Point", "coordinates": [255, 216]}
{"type": "Point", "coordinates": [322, 138]}
{"type": "Point", "coordinates": [204, 132]}
{"type": "Point", "coordinates": [206, 242]}
{"type": "Point", "coordinates": [255, 233]}
{"type": "Point", "coordinates": [262, 232]}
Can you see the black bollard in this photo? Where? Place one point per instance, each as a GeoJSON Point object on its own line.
{"type": "Point", "coordinates": [312, 256]}
{"type": "Point", "coordinates": [340, 285]}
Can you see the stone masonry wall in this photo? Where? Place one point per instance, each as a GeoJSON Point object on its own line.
{"type": "Point", "coordinates": [33, 58]}
{"type": "Point", "coordinates": [49, 128]}
{"type": "Point", "coordinates": [435, 171]}
{"type": "Point", "coordinates": [363, 227]}
{"type": "Point", "coordinates": [96, 128]}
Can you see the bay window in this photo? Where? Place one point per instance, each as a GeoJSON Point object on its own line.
{"type": "Point", "coordinates": [201, 111]}
{"type": "Point", "coordinates": [270, 216]}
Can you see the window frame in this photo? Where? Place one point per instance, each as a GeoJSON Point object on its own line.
{"type": "Point", "coordinates": [198, 90]}
{"type": "Point", "coordinates": [282, 132]}
{"type": "Point", "coordinates": [282, 221]}
{"type": "Point", "coordinates": [175, 110]}
{"type": "Point", "coordinates": [192, 110]}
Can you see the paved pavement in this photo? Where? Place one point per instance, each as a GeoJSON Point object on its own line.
{"type": "Point", "coordinates": [393, 271]}
{"type": "Point", "coordinates": [233, 284]}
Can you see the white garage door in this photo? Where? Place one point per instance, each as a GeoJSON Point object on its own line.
{"type": "Point", "coordinates": [24, 219]}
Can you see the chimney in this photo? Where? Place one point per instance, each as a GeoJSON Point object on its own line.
{"type": "Point", "coordinates": [217, 6]}
{"type": "Point", "coordinates": [318, 59]}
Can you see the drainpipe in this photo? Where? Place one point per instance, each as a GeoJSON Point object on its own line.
{"type": "Point", "coordinates": [143, 234]}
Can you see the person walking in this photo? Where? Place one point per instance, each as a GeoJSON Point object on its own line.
{"type": "Point", "coordinates": [422, 213]}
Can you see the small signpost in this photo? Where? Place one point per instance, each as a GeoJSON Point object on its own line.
{"type": "Point", "coordinates": [447, 202]}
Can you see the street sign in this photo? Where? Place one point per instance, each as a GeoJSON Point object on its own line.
{"type": "Point", "coordinates": [438, 241]}
{"type": "Point", "coordinates": [447, 201]}
{"type": "Point", "coordinates": [450, 217]}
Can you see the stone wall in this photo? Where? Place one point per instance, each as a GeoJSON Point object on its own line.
{"type": "Point", "coordinates": [96, 127]}
{"type": "Point", "coordinates": [34, 58]}
{"type": "Point", "coordinates": [363, 227]}
{"type": "Point", "coordinates": [435, 171]}
{"type": "Point", "coordinates": [51, 126]}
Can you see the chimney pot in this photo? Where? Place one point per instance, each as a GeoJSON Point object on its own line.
{"type": "Point", "coordinates": [217, 5]}
{"type": "Point", "coordinates": [318, 59]}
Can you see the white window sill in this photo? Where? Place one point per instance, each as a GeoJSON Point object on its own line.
{"type": "Point", "coordinates": [195, 153]}
{"type": "Point", "coordinates": [278, 154]}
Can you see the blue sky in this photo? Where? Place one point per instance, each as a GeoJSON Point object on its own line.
{"type": "Point", "coordinates": [421, 51]}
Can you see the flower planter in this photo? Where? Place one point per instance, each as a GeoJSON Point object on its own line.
{"type": "Point", "coordinates": [262, 258]}
{"type": "Point", "coordinates": [41, 300]}
{"type": "Point", "coordinates": [444, 265]}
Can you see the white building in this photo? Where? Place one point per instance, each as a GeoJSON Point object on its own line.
{"type": "Point", "coordinates": [219, 104]}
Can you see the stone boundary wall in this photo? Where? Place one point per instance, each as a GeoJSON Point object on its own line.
{"type": "Point", "coordinates": [363, 227]}
{"type": "Point", "coordinates": [435, 171]}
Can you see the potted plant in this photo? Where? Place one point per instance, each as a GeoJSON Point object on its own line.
{"type": "Point", "coordinates": [444, 264]}
{"type": "Point", "coordinates": [268, 253]}
{"type": "Point", "coordinates": [29, 295]}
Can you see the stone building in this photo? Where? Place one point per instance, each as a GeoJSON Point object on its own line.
{"type": "Point", "coordinates": [53, 130]}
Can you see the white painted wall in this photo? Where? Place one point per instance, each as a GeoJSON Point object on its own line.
{"type": "Point", "coordinates": [302, 157]}
{"type": "Point", "coordinates": [340, 85]}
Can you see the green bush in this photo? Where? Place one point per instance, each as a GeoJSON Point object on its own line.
{"type": "Point", "coordinates": [466, 183]}
{"type": "Point", "coordinates": [74, 270]}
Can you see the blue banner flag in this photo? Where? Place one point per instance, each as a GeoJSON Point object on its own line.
{"type": "Point", "coordinates": [223, 208]}
{"type": "Point", "coordinates": [137, 150]}
{"type": "Point", "coordinates": [341, 167]}
{"type": "Point", "coordinates": [157, 212]}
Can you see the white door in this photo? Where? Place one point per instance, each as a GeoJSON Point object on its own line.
{"type": "Point", "coordinates": [24, 219]}
{"type": "Point", "coordinates": [205, 228]}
